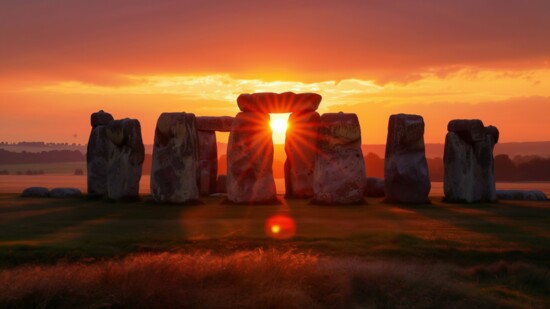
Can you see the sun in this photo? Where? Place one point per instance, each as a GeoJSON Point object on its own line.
{"type": "Point", "coordinates": [279, 125]}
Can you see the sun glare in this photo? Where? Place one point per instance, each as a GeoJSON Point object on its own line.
{"type": "Point", "coordinates": [279, 125]}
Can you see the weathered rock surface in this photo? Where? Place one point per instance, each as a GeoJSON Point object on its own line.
{"type": "Point", "coordinates": [469, 164]}
{"type": "Point", "coordinates": [374, 187]}
{"type": "Point", "coordinates": [208, 162]}
{"type": "Point", "coordinates": [221, 184]}
{"type": "Point", "coordinates": [339, 174]}
{"type": "Point", "coordinates": [250, 159]}
{"type": "Point", "coordinates": [96, 156]}
{"type": "Point", "coordinates": [35, 192]}
{"type": "Point", "coordinates": [208, 123]}
{"type": "Point", "coordinates": [100, 118]}
{"type": "Point", "coordinates": [65, 192]}
{"type": "Point", "coordinates": [521, 195]}
{"type": "Point", "coordinates": [301, 151]}
{"type": "Point", "coordinates": [287, 102]}
{"type": "Point", "coordinates": [406, 170]}
{"type": "Point", "coordinates": [174, 173]}
{"type": "Point", "coordinates": [125, 159]}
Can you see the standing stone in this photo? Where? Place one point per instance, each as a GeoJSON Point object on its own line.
{"type": "Point", "coordinates": [221, 184]}
{"type": "Point", "coordinates": [339, 174]}
{"type": "Point", "coordinates": [469, 164]}
{"type": "Point", "coordinates": [250, 159]}
{"type": "Point", "coordinates": [208, 162]}
{"type": "Point", "coordinates": [96, 155]}
{"type": "Point", "coordinates": [301, 150]}
{"type": "Point", "coordinates": [174, 172]}
{"type": "Point", "coordinates": [405, 169]}
{"type": "Point", "coordinates": [125, 159]}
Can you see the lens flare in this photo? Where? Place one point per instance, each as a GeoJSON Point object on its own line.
{"type": "Point", "coordinates": [280, 227]}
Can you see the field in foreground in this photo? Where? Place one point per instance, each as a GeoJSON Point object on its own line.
{"type": "Point", "coordinates": [78, 252]}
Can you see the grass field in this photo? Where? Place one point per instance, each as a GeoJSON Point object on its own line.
{"type": "Point", "coordinates": [88, 253]}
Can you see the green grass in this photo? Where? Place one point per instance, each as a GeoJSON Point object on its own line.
{"type": "Point", "coordinates": [382, 255]}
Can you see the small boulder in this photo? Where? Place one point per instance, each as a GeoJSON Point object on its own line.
{"type": "Point", "coordinates": [374, 187]}
{"type": "Point", "coordinates": [65, 192]}
{"type": "Point", "coordinates": [221, 184]}
{"type": "Point", "coordinates": [36, 192]}
{"type": "Point", "coordinates": [521, 195]}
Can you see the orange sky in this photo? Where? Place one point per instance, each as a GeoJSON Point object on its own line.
{"type": "Point", "coordinates": [61, 60]}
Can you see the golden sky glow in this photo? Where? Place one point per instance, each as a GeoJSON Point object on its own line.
{"type": "Point", "coordinates": [59, 63]}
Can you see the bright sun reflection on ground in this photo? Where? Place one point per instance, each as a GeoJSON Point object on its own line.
{"type": "Point", "coordinates": [279, 125]}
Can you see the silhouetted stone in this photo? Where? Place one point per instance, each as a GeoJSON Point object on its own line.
{"type": "Point", "coordinates": [301, 151]}
{"type": "Point", "coordinates": [405, 169]}
{"type": "Point", "coordinates": [250, 159]}
{"type": "Point", "coordinates": [287, 102]}
{"type": "Point", "coordinates": [100, 118]}
{"type": "Point", "coordinates": [65, 192]}
{"type": "Point", "coordinates": [208, 123]}
{"type": "Point", "coordinates": [221, 184]}
{"type": "Point", "coordinates": [339, 174]}
{"type": "Point", "coordinates": [125, 159]}
{"type": "Point", "coordinates": [521, 195]}
{"type": "Point", "coordinates": [208, 162]}
{"type": "Point", "coordinates": [374, 187]}
{"type": "Point", "coordinates": [174, 172]}
{"type": "Point", "coordinates": [469, 164]}
{"type": "Point", "coordinates": [36, 192]}
{"type": "Point", "coordinates": [96, 162]}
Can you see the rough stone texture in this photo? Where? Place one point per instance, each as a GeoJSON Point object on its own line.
{"type": "Point", "coordinates": [339, 174]}
{"type": "Point", "coordinates": [301, 150]}
{"type": "Point", "coordinates": [375, 187]}
{"type": "Point", "coordinates": [521, 195]}
{"type": "Point", "coordinates": [287, 102]}
{"type": "Point", "coordinates": [100, 118]}
{"type": "Point", "coordinates": [36, 192]}
{"type": "Point", "coordinates": [208, 162]}
{"type": "Point", "coordinates": [405, 169]}
{"type": "Point", "coordinates": [125, 159]}
{"type": "Point", "coordinates": [65, 192]}
{"type": "Point", "coordinates": [222, 124]}
{"type": "Point", "coordinates": [469, 165]}
{"type": "Point", "coordinates": [250, 159]}
{"type": "Point", "coordinates": [221, 184]}
{"type": "Point", "coordinates": [174, 173]}
{"type": "Point", "coordinates": [96, 159]}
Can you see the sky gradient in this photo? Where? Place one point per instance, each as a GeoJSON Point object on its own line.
{"type": "Point", "coordinates": [61, 60]}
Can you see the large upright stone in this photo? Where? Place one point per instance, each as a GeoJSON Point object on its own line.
{"type": "Point", "coordinates": [405, 169]}
{"type": "Point", "coordinates": [301, 150]}
{"type": "Point", "coordinates": [287, 102]}
{"type": "Point", "coordinates": [125, 159]}
{"type": "Point", "coordinates": [469, 164]}
{"type": "Point", "coordinates": [208, 162]}
{"type": "Point", "coordinates": [211, 123]}
{"type": "Point", "coordinates": [96, 155]}
{"type": "Point", "coordinates": [250, 159]}
{"type": "Point", "coordinates": [175, 159]}
{"type": "Point", "coordinates": [339, 174]}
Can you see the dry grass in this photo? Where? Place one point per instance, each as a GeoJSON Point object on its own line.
{"type": "Point", "coordinates": [259, 279]}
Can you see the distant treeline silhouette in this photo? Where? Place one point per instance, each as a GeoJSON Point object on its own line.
{"type": "Point", "coordinates": [52, 156]}
{"type": "Point", "coordinates": [520, 168]}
